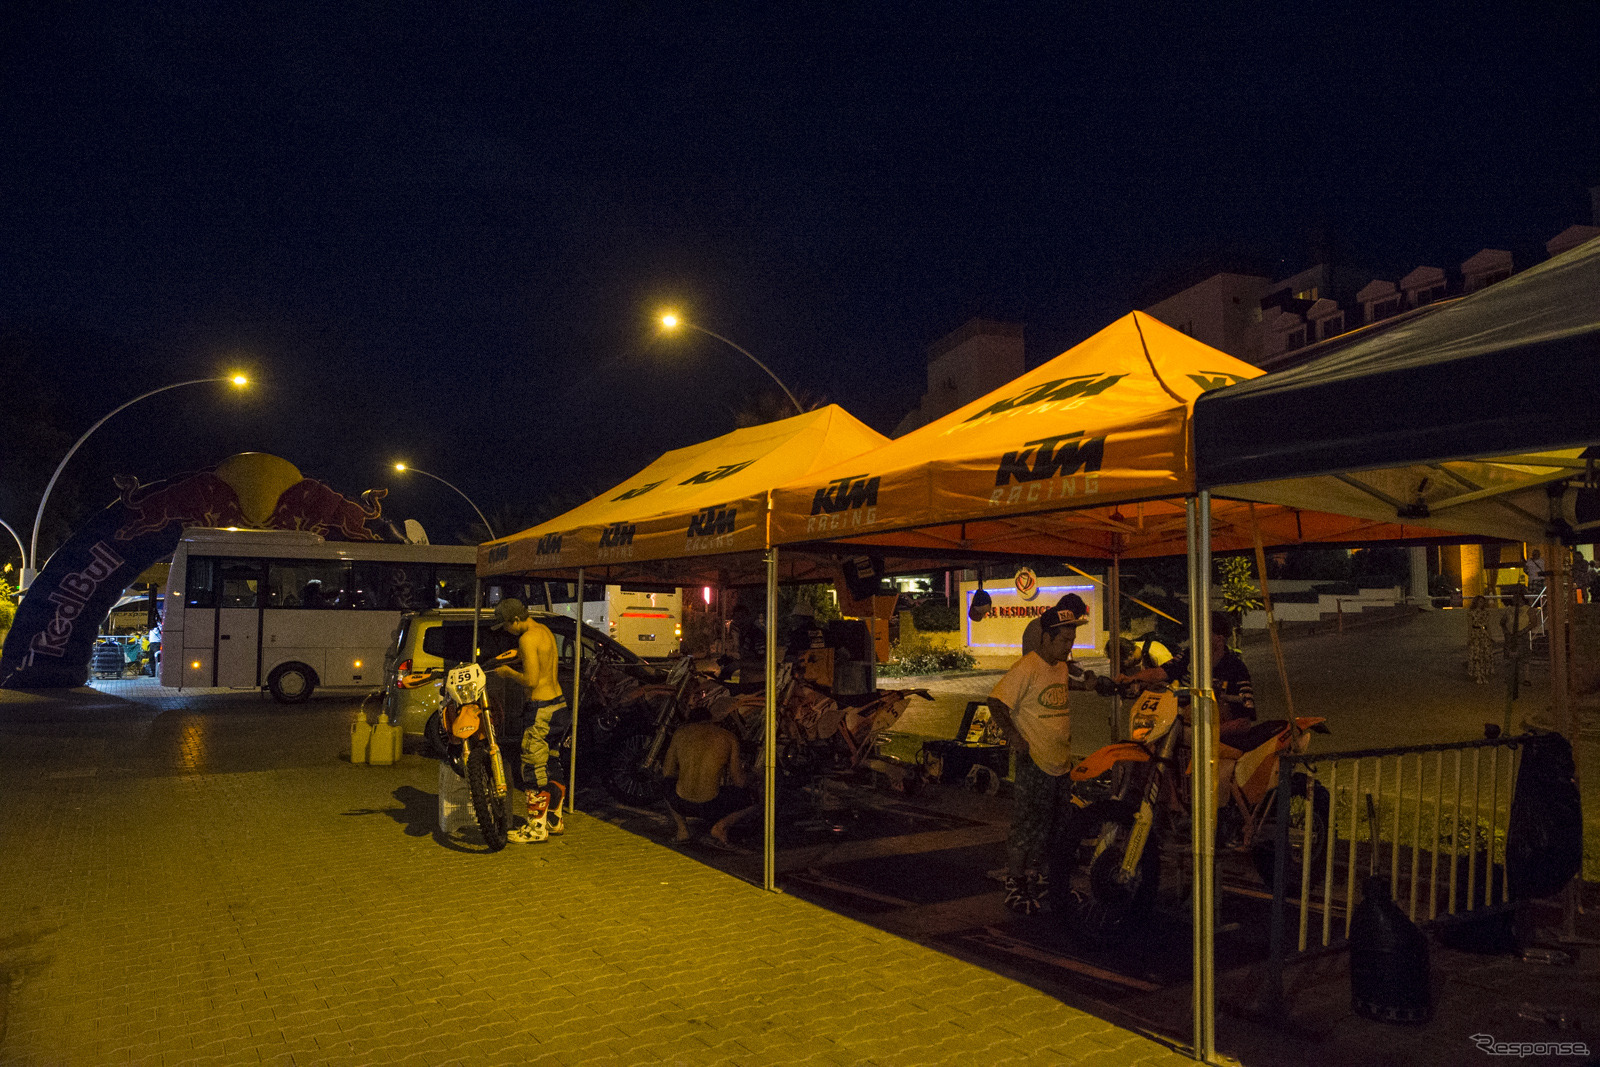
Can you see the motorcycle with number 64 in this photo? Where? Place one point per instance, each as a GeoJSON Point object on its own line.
{"type": "Point", "coordinates": [1106, 867]}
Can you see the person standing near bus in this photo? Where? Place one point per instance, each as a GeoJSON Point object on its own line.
{"type": "Point", "coordinates": [537, 648]}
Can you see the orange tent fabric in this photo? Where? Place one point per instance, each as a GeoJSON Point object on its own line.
{"type": "Point", "coordinates": [1088, 455]}
{"type": "Point", "coordinates": [708, 499]}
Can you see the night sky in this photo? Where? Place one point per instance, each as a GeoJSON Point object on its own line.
{"type": "Point", "coordinates": [441, 232]}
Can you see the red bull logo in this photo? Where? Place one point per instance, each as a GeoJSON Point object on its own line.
{"type": "Point", "coordinates": [70, 598]}
{"type": "Point", "coordinates": [311, 505]}
{"type": "Point", "coordinates": [199, 500]}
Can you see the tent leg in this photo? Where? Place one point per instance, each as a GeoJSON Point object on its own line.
{"type": "Point", "coordinates": [1114, 624]}
{"type": "Point", "coordinates": [1204, 814]}
{"type": "Point", "coordinates": [577, 694]}
{"type": "Point", "coordinates": [769, 799]}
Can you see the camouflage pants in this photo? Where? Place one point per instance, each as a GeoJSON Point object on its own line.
{"type": "Point", "coordinates": [1039, 804]}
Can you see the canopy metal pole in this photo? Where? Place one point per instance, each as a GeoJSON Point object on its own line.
{"type": "Point", "coordinates": [477, 610]}
{"type": "Point", "coordinates": [769, 800]}
{"type": "Point", "coordinates": [1115, 624]}
{"type": "Point", "coordinates": [1204, 814]}
{"type": "Point", "coordinates": [1558, 596]}
{"type": "Point", "coordinates": [577, 694]}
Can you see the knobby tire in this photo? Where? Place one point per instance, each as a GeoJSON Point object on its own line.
{"type": "Point", "coordinates": [489, 809]}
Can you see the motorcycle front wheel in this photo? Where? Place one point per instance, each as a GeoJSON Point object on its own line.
{"type": "Point", "coordinates": [1088, 896]}
{"type": "Point", "coordinates": [489, 809]}
{"type": "Point", "coordinates": [629, 778]}
{"type": "Point", "coordinates": [1264, 849]}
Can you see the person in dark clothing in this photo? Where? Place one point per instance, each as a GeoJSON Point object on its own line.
{"type": "Point", "coordinates": [1230, 679]}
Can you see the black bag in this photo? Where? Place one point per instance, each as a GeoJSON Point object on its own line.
{"type": "Point", "coordinates": [1544, 835]}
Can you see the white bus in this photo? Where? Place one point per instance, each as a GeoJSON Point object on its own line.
{"type": "Point", "coordinates": [646, 620]}
{"type": "Point", "coordinates": [290, 612]}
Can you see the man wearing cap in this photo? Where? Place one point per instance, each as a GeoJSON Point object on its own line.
{"type": "Point", "coordinates": [1030, 706]}
{"type": "Point", "coordinates": [537, 647]}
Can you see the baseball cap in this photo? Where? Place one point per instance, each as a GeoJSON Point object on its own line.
{"type": "Point", "coordinates": [1074, 603]}
{"type": "Point", "coordinates": [508, 611]}
{"type": "Point", "coordinates": [981, 603]}
{"type": "Point", "coordinates": [1060, 618]}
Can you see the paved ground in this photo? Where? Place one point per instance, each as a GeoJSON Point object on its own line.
{"type": "Point", "coordinates": [205, 881]}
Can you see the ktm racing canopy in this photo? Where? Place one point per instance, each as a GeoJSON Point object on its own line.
{"type": "Point", "coordinates": [1088, 455]}
{"type": "Point", "coordinates": [708, 499]}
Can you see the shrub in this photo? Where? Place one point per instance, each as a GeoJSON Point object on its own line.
{"type": "Point", "coordinates": [919, 655]}
{"type": "Point", "coordinates": [935, 616]}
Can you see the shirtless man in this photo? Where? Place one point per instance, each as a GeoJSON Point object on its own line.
{"type": "Point", "coordinates": [537, 648]}
{"type": "Point", "coordinates": [704, 758]}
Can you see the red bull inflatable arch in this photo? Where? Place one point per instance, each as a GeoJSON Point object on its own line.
{"type": "Point", "coordinates": [54, 631]}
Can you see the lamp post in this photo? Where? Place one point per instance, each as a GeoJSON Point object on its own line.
{"type": "Point", "coordinates": [20, 550]}
{"type": "Point", "coordinates": [402, 468]}
{"type": "Point", "coordinates": [30, 564]}
{"type": "Point", "coordinates": [671, 321]}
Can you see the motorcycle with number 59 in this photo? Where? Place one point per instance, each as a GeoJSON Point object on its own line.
{"type": "Point", "coordinates": [462, 733]}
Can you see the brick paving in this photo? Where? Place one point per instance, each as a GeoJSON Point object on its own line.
{"type": "Point", "coordinates": [206, 880]}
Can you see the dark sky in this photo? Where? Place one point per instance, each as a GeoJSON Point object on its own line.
{"type": "Point", "coordinates": [441, 231]}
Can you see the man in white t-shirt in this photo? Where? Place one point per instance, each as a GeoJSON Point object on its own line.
{"type": "Point", "coordinates": [1030, 706]}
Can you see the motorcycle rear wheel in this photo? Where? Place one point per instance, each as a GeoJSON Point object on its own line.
{"type": "Point", "coordinates": [627, 776]}
{"type": "Point", "coordinates": [1087, 897]}
{"type": "Point", "coordinates": [489, 809]}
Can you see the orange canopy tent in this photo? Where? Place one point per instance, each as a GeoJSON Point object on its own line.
{"type": "Point", "coordinates": [1088, 455]}
{"type": "Point", "coordinates": [689, 509]}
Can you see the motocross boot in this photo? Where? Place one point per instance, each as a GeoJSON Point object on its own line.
{"type": "Point", "coordinates": [1020, 895]}
{"type": "Point", "coordinates": [554, 820]}
{"type": "Point", "coordinates": [537, 829]}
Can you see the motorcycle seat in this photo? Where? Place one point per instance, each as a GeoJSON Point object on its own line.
{"type": "Point", "coordinates": [1259, 734]}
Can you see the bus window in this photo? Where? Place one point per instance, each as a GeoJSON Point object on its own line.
{"type": "Point", "coordinates": [452, 586]}
{"type": "Point", "coordinates": [240, 581]}
{"type": "Point", "coordinates": [390, 586]}
{"type": "Point", "coordinates": [305, 583]}
{"type": "Point", "coordinates": [200, 586]}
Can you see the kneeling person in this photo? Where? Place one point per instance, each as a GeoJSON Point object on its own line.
{"type": "Point", "coordinates": [710, 784]}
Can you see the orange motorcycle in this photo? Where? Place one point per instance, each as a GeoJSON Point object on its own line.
{"type": "Point", "coordinates": [1106, 866]}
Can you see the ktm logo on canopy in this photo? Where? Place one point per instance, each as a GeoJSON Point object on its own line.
{"type": "Point", "coordinates": [549, 545]}
{"type": "Point", "coordinates": [716, 474]}
{"type": "Point", "coordinates": [1050, 457]}
{"type": "Point", "coordinates": [713, 522]}
{"type": "Point", "coordinates": [842, 494]}
{"type": "Point", "coordinates": [1059, 390]}
{"type": "Point", "coordinates": [636, 491]}
{"type": "Point", "coordinates": [1214, 379]}
{"type": "Point", "coordinates": [617, 535]}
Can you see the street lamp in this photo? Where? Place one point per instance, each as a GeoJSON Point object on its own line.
{"type": "Point", "coordinates": [402, 468]}
{"type": "Point", "coordinates": [30, 565]}
{"type": "Point", "coordinates": [671, 321]}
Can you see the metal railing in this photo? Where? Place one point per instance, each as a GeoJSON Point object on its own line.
{"type": "Point", "coordinates": [1433, 817]}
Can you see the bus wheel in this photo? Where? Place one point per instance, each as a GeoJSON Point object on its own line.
{"type": "Point", "coordinates": [292, 683]}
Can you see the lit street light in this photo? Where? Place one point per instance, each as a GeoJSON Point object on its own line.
{"type": "Point", "coordinates": [670, 321]}
{"type": "Point", "coordinates": [30, 564]}
{"type": "Point", "coordinates": [402, 468]}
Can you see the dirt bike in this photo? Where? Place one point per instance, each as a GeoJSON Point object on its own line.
{"type": "Point", "coordinates": [633, 773]}
{"type": "Point", "coordinates": [462, 734]}
{"type": "Point", "coordinates": [817, 733]}
{"type": "Point", "coordinates": [1106, 866]}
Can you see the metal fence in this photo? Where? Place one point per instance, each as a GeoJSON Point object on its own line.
{"type": "Point", "coordinates": [1431, 818]}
